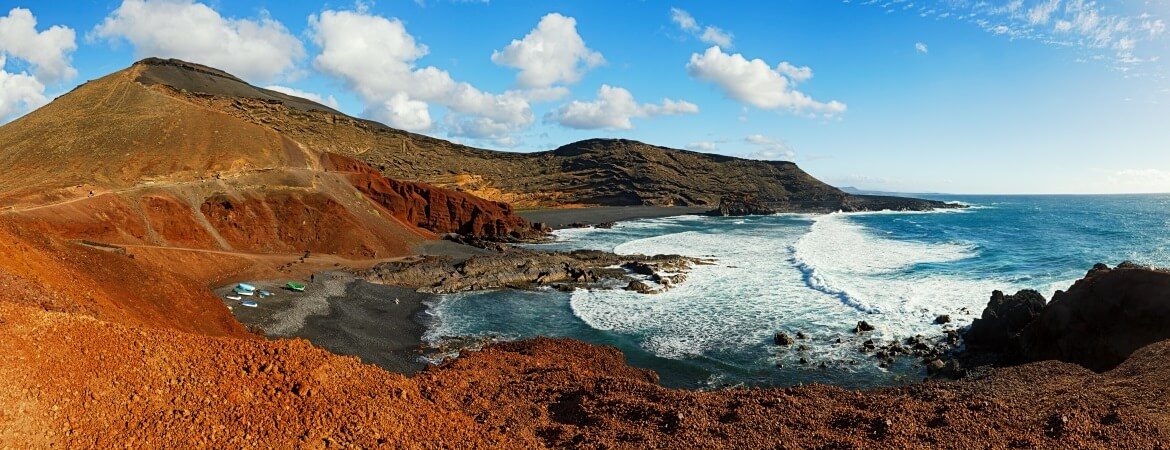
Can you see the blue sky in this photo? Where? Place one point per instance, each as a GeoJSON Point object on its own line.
{"type": "Point", "coordinates": [997, 96]}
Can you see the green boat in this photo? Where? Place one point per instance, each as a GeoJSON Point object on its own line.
{"type": "Point", "coordinates": [299, 287]}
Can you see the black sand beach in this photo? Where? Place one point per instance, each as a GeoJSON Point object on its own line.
{"type": "Point", "coordinates": [344, 315]}
{"type": "Point", "coordinates": [562, 218]}
{"type": "Point", "coordinates": [378, 323]}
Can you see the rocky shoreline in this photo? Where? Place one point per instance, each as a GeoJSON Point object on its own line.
{"type": "Point", "coordinates": [519, 268]}
{"type": "Point", "coordinates": [1097, 324]}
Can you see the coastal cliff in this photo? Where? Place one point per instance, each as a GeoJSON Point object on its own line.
{"type": "Point", "coordinates": [1097, 323]}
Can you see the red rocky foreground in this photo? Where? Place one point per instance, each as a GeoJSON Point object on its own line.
{"type": "Point", "coordinates": [73, 380]}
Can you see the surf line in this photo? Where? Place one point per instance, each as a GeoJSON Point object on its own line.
{"type": "Point", "coordinates": [816, 282]}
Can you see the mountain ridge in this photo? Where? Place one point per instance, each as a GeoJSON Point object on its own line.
{"type": "Point", "coordinates": [591, 172]}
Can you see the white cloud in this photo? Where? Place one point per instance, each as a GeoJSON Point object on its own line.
{"type": "Point", "coordinates": [19, 92]}
{"type": "Point", "coordinates": [798, 74]}
{"type": "Point", "coordinates": [375, 57]}
{"type": "Point", "coordinates": [708, 34]}
{"type": "Point", "coordinates": [713, 35]}
{"type": "Point", "coordinates": [327, 101]}
{"type": "Point", "coordinates": [921, 47]}
{"type": "Point", "coordinates": [1093, 27]}
{"type": "Point", "coordinates": [1040, 13]}
{"type": "Point", "coordinates": [755, 83]}
{"type": "Point", "coordinates": [769, 148]}
{"type": "Point", "coordinates": [47, 52]}
{"type": "Point", "coordinates": [1154, 27]}
{"type": "Point", "coordinates": [551, 53]}
{"type": "Point", "coordinates": [260, 49]}
{"type": "Point", "coordinates": [684, 20]}
{"type": "Point", "coordinates": [402, 112]}
{"type": "Point", "coordinates": [702, 146]}
{"type": "Point", "coordinates": [613, 109]}
{"type": "Point", "coordinates": [546, 94]}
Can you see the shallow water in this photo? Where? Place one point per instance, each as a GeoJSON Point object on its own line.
{"type": "Point", "coordinates": [819, 274]}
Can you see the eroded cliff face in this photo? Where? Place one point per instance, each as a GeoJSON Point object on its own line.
{"type": "Point", "coordinates": [431, 208]}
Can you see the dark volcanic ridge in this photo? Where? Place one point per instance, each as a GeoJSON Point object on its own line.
{"type": "Point", "coordinates": [597, 172]}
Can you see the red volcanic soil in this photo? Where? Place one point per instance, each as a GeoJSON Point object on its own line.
{"type": "Point", "coordinates": [431, 208]}
{"type": "Point", "coordinates": [154, 387]}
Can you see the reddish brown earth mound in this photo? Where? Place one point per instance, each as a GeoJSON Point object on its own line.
{"type": "Point", "coordinates": [158, 386]}
{"type": "Point", "coordinates": [431, 208]}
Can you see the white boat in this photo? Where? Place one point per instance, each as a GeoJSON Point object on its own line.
{"type": "Point", "coordinates": [233, 297]}
{"type": "Point", "coordinates": [249, 303]}
{"type": "Point", "coordinates": [239, 291]}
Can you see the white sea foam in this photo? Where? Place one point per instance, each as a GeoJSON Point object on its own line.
{"type": "Point", "coordinates": [818, 279]}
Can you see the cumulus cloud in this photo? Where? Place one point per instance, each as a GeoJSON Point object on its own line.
{"type": "Point", "coordinates": [551, 53]}
{"type": "Point", "coordinates": [613, 109]}
{"type": "Point", "coordinates": [769, 148]}
{"type": "Point", "coordinates": [755, 83]}
{"type": "Point", "coordinates": [46, 54]}
{"type": "Point", "coordinates": [709, 34]}
{"type": "Point", "coordinates": [327, 101]}
{"type": "Point", "coordinates": [375, 57]}
{"type": "Point", "coordinates": [921, 47]}
{"type": "Point", "coordinates": [19, 92]}
{"type": "Point", "coordinates": [260, 49]}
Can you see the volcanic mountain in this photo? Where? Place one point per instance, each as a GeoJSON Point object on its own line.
{"type": "Point", "coordinates": [121, 130]}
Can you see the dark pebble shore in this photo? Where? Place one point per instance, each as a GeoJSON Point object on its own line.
{"type": "Point", "coordinates": [344, 315]}
{"type": "Point", "coordinates": [564, 217]}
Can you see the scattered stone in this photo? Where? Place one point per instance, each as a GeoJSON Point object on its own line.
{"type": "Point", "coordinates": [782, 339]}
{"type": "Point", "coordinates": [863, 326]}
{"type": "Point", "coordinates": [800, 335]}
{"type": "Point", "coordinates": [640, 287]}
{"type": "Point", "coordinates": [942, 319]}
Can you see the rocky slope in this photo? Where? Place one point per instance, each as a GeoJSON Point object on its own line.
{"type": "Point", "coordinates": [592, 172]}
{"type": "Point", "coordinates": [124, 160]}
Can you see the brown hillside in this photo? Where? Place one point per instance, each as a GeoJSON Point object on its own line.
{"type": "Point", "coordinates": [125, 160]}
{"type": "Point", "coordinates": [593, 172]}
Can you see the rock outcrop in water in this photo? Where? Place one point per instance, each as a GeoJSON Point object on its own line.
{"type": "Point", "coordinates": [740, 204]}
{"type": "Point", "coordinates": [1098, 323]}
{"type": "Point", "coordinates": [520, 268]}
{"type": "Point", "coordinates": [1004, 318]}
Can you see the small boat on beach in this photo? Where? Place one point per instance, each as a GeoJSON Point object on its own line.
{"type": "Point", "coordinates": [245, 289]}
{"type": "Point", "coordinates": [249, 303]}
{"type": "Point", "coordinates": [293, 285]}
{"type": "Point", "coordinates": [264, 294]}
{"type": "Point", "coordinates": [233, 297]}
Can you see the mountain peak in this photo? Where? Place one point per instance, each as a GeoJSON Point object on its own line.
{"type": "Point", "coordinates": [197, 78]}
